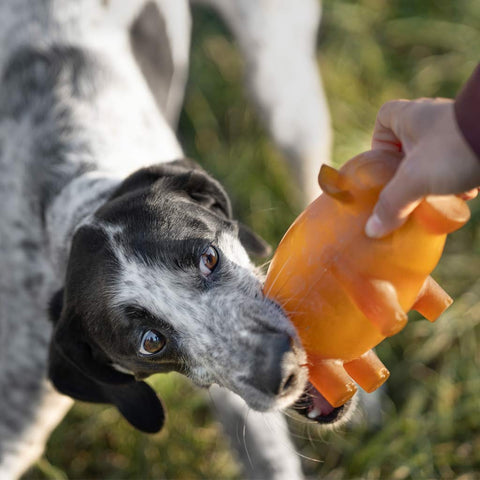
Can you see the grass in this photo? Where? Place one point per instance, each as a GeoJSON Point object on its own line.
{"type": "Point", "coordinates": [370, 51]}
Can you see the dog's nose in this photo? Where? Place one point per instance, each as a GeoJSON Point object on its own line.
{"type": "Point", "coordinates": [278, 373]}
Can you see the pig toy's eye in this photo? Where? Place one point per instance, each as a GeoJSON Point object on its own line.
{"type": "Point", "coordinates": [152, 342]}
{"type": "Point", "coordinates": [208, 261]}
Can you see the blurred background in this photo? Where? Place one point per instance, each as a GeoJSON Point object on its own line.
{"type": "Point", "coordinates": [369, 51]}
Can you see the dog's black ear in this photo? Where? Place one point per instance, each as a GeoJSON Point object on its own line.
{"type": "Point", "coordinates": [180, 175]}
{"type": "Point", "coordinates": [55, 306]}
{"type": "Point", "coordinates": [136, 401]}
{"type": "Point", "coordinates": [80, 371]}
{"type": "Point", "coordinates": [253, 243]}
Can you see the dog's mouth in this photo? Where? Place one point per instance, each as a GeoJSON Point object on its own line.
{"type": "Point", "coordinates": [313, 405]}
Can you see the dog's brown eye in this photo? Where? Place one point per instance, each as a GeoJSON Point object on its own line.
{"type": "Point", "coordinates": [152, 342]}
{"type": "Point", "coordinates": [208, 261]}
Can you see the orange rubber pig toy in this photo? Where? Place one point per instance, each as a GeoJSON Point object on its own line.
{"type": "Point", "coordinates": [345, 292]}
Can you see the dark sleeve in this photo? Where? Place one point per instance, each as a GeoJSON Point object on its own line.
{"type": "Point", "coordinates": [467, 111]}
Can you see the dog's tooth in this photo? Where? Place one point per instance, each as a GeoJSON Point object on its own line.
{"type": "Point", "coordinates": [314, 413]}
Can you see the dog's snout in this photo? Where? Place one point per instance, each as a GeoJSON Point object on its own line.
{"type": "Point", "coordinates": [279, 372]}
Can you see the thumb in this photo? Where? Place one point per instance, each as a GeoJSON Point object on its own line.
{"type": "Point", "coordinates": [396, 202]}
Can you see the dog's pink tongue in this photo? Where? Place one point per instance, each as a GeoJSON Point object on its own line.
{"type": "Point", "coordinates": [320, 406]}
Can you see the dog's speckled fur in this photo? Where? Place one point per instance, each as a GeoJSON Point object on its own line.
{"type": "Point", "coordinates": [76, 118]}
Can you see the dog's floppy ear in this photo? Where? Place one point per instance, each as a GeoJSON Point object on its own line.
{"type": "Point", "coordinates": [55, 306]}
{"type": "Point", "coordinates": [136, 401]}
{"type": "Point", "coordinates": [181, 175]}
{"type": "Point", "coordinates": [253, 243]}
{"type": "Point", "coordinates": [78, 370]}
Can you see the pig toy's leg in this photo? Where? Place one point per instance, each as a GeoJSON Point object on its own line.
{"type": "Point", "coordinates": [331, 380]}
{"type": "Point", "coordinates": [377, 299]}
{"type": "Point", "coordinates": [368, 371]}
{"type": "Point", "coordinates": [432, 300]}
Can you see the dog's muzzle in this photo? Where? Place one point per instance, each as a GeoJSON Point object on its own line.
{"type": "Point", "coordinates": [280, 372]}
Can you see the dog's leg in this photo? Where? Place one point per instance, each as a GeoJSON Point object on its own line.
{"type": "Point", "coordinates": [30, 408]}
{"type": "Point", "coordinates": [160, 40]}
{"type": "Point", "coordinates": [278, 40]}
{"type": "Point", "coordinates": [260, 440]}
{"type": "Point", "coordinates": [25, 446]}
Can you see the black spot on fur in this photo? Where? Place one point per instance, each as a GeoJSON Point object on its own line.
{"type": "Point", "coordinates": [38, 84]}
{"type": "Point", "coordinates": [33, 72]}
{"type": "Point", "coordinates": [30, 248]}
{"type": "Point", "coordinates": [33, 282]}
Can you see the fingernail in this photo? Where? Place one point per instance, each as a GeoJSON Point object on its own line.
{"type": "Point", "coordinates": [374, 227]}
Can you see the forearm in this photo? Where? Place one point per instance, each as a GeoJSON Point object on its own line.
{"type": "Point", "coordinates": [467, 111]}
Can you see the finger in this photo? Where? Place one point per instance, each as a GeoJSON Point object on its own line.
{"type": "Point", "coordinates": [386, 140]}
{"type": "Point", "coordinates": [395, 203]}
{"type": "Point", "coordinates": [385, 133]}
{"type": "Point", "coordinates": [470, 195]}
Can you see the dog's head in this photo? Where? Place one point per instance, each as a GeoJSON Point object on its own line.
{"type": "Point", "coordinates": [159, 280]}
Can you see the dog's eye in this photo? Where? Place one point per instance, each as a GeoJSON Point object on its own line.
{"type": "Point", "coordinates": [208, 261]}
{"type": "Point", "coordinates": [152, 342]}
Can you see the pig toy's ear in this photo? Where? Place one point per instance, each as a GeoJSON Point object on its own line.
{"type": "Point", "coordinates": [333, 183]}
{"type": "Point", "coordinates": [442, 214]}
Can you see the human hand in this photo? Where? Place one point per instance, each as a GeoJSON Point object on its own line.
{"type": "Point", "coordinates": [437, 159]}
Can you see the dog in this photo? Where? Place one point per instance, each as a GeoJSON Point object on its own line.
{"type": "Point", "coordinates": [119, 257]}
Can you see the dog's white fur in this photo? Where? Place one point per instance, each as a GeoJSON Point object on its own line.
{"type": "Point", "coordinates": [277, 39]}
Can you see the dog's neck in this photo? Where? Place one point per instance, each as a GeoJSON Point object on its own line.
{"type": "Point", "coordinates": [72, 207]}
